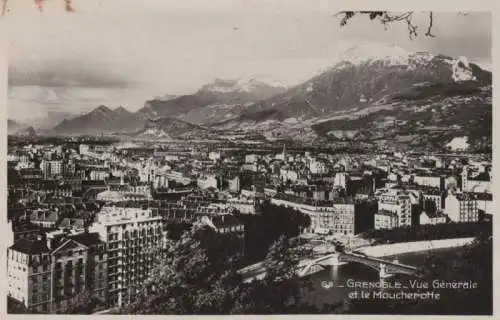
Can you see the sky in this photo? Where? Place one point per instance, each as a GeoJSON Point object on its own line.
{"type": "Point", "coordinates": [115, 52]}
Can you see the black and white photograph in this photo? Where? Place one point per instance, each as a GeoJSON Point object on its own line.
{"type": "Point", "coordinates": [233, 157]}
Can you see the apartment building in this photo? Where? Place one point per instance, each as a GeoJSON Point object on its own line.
{"type": "Point", "coordinates": [134, 237]}
{"type": "Point", "coordinates": [51, 168]}
{"type": "Point", "coordinates": [432, 217]}
{"type": "Point", "coordinates": [44, 275]}
{"type": "Point", "coordinates": [207, 182]}
{"type": "Point", "coordinates": [396, 201]}
{"type": "Point", "coordinates": [429, 180]}
{"type": "Point", "coordinates": [385, 220]}
{"type": "Point", "coordinates": [462, 207]}
{"type": "Point", "coordinates": [478, 183]}
{"type": "Point", "coordinates": [336, 216]}
{"type": "Point", "coordinates": [434, 196]}
{"type": "Point", "coordinates": [44, 218]}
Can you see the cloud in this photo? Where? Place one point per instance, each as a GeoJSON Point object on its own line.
{"type": "Point", "coordinates": [114, 52]}
{"type": "Point", "coordinates": [65, 74]}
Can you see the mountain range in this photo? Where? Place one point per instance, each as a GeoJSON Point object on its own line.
{"type": "Point", "coordinates": [376, 93]}
{"type": "Point", "coordinates": [212, 101]}
{"type": "Point", "coordinates": [19, 129]}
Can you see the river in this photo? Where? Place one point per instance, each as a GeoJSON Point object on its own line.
{"type": "Point", "coordinates": [330, 285]}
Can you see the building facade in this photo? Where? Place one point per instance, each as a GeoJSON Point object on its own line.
{"type": "Point", "coordinates": [385, 220]}
{"type": "Point", "coordinates": [134, 237]}
{"type": "Point", "coordinates": [45, 276]}
{"type": "Point", "coordinates": [326, 216]}
{"type": "Point", "coordinates": [398, 202]}
{"type": "Point", "coordinates": [462, 207]}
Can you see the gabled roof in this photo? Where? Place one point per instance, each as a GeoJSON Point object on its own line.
{"type": "Point", "coordinates": [67, 243]}
{"type": "Point", "coordinates": [29, 246]}
{"type": "Point", "coordinates": [87, 239]}
{"type": "Point", "coordinates": [72, 222]}
{"type": "Point", "coordinates": [434, 214]}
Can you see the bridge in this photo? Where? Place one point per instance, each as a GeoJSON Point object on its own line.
{"type": "Point", "coordinates": [385, 268]}
{"type": "Point", "coordinates": [307, 267]}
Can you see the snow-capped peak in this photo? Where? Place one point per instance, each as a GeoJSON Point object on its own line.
{"type": "Point", "coordinates": [393, 54]}
{"type": "Point", "coordinates": [461, 70]}
{"type": "Point", "coordinates": [238, 85]}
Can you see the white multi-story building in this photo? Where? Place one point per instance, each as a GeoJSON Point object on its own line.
{"type": "Point", "coordinates": [317, 167]}
{"type": "Point", "coordinates": [429, 180]}
{"type": "Point", "coordinates": [478, 183]}
{"type": "Point", "coordinates": [461, 207]}
{"type": "Point", "coordinates": [83, 149]}
{"type": "Point", "coordinates": [234, 184]}
{"type": "Point", "coordinates": [161, 181]}
{"type": "Point", "coordinates": [207, 182]}
{"type": "Point", "coordinates": [398, 202]}
{"type": "Point", "coordinates": [214, 156]}
{"type": "Point", "coordinates": [435, 197]}
{"type": "Point", "coordinates": [340, 180]}
{"type": "Point", "coordinates": [436, 217]}
{"type": "Point", "coordinates": [178, 177]}
{"type": "Point", "coordinates": [51, 168]}
{"type": "Point", "coordinates": [288, 174]}
{"type": "Point", "coordinates": [326, 216]}
{"type": "Point", "coordinates": [134, 237]}
{"type": "Point", "coordinates": [385, 220]}
{"type": "Point", "coordinates": [147, 172]}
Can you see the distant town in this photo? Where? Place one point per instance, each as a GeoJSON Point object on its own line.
{"type": "Point", "coordinates": [91, 215]}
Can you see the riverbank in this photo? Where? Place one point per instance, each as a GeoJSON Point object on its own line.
{"type": "Point", "coordinates": [410, 247]}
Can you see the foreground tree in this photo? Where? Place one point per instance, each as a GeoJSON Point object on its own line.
{"type": "Point", "coordinates": [387, 18]}
{"type": "Point", "coordinates": [261, 231]}
{"type": "Point", "coordinates": [83, 303]}
{"type": "Point", "coordinates": [197, 276]}
{"type": "Point", "coordinates": [187, 281]}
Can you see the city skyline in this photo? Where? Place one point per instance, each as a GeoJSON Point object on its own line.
{"type": "Point", "coordinates": [356, 177]}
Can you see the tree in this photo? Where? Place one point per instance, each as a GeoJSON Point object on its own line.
{"type": "Point", "coordinates": [83, 303]}
{"type": "Point", "coordinates": [193, 277]}
{"type": "Point", "coordinates": [387, 18]}
{"type": "Point", "coordinates": [187, 281]}
{"type": "Point", "coordinates": [282, 290]}
{"type": "Point", "coordinates": [261, 231]}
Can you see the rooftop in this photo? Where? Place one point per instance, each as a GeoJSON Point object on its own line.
{"type": "Point", "coordinates": [87, 239]}
{"type": "Point", "coordinates": [434, 214]}
{"type": "Point", "coordinates": [29, 246]}
{"type": "Point", "coordinates": [483, 176]}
